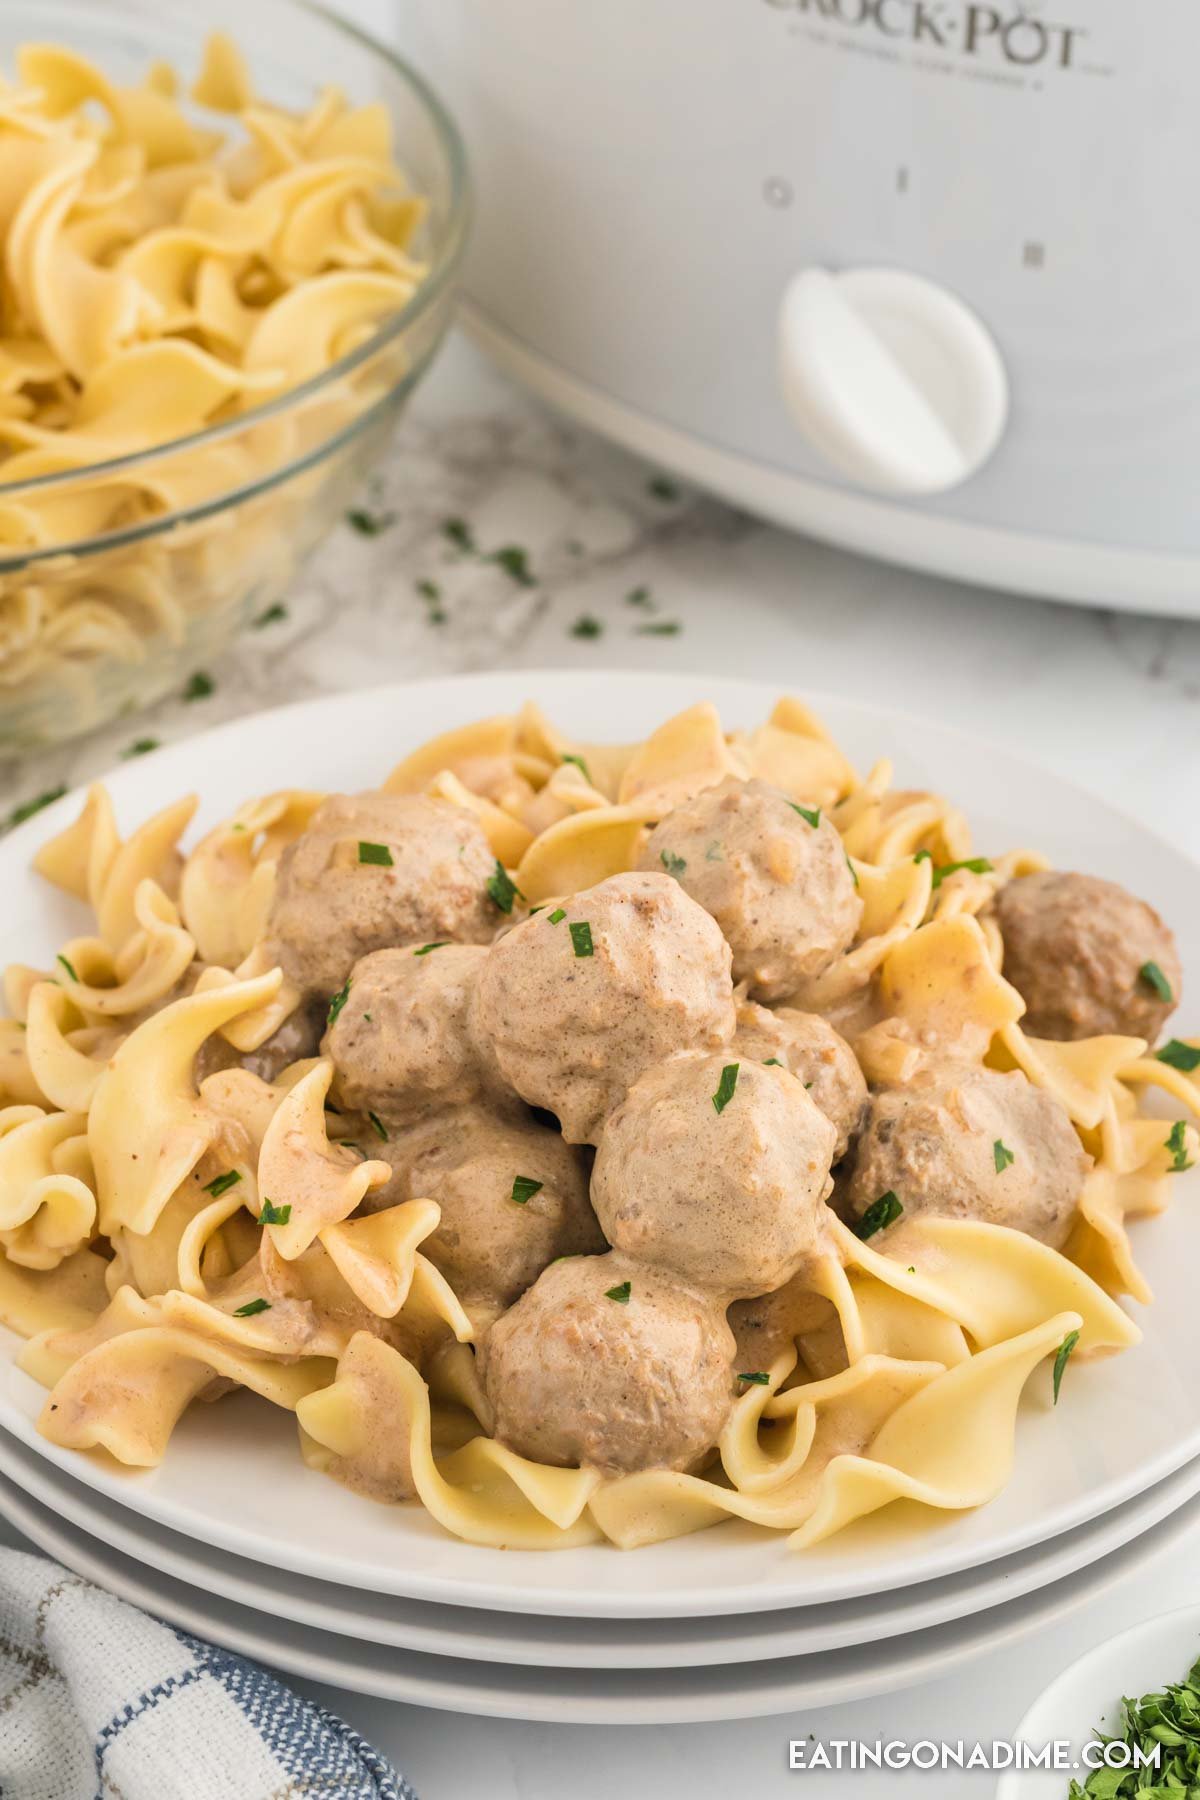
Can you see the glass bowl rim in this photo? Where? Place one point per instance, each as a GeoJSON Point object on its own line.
{"type": "Point", "coordinates": [394, 325]}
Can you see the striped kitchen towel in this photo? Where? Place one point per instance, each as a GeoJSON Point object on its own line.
{"type": "Point", "coordinates": [97, 1700]}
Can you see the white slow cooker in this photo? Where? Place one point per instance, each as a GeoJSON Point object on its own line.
{"type": "Point", "coordinates": [917, 276]}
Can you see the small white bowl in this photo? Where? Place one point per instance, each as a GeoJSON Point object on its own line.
{"type": "Point", "coordinates": [1086, 1697]}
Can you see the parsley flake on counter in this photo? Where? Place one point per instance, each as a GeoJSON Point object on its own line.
{"type": "Point", "coordinates": [619, 1294]}
{"type": "Point", "coordinates": [199, 686]}
{"type": "Point", "coordinates": [221, 1184]}
{"type": "Point", "coordinates": [378, 855]}
{"type": "Point", "coordinates": [977, 865]}
{"type": "Point", "coordinates": [726, 1086]}
{"type": "Point", "coordinates": [638, 596]}
{"type": "Point", "coordinates": [251, 1307]}
{"type": "Point", "coordinates": [524, 1188]}
{"type": "Point", "coordinates": [460, 535]}
{"type": "Point", "coordinates": [587, 626]}
{"type": "Point", "coordinates": [674, 865]}
{"type": "Point", "coordinates": [274, 615]}
{"type": "Point", "coordinates": [139, 747]}
{"type": "Point", "coordinates": [810, 814]}
{"type": "Point", "coordinates": [26, 810]}
{"type": "Point", "coordinates": [581, 938]}
{"type": "Point", "coordinates": [581, 765]}
{"type": "Point", "coordinates": [274, 1215]}
{"type": "Point", "coordinates": [67, 966]}
{"type": "Point", "coordinates": [431, 593]}
{"type": "Point", "coordinates": [659, 628]}
{"type": "Point", "coordinates": [1177, 1144]}
{"type": "Point", "coordinates": [557, 916]}
{"type": "Point", "coordinates": [758, 1377]}
{"type": "Point", "coordinates": [515, 563]}
{"type": "Point", "coordinates": [425, 950]}
{"type": "Point", "coordinates": [368, 524]}
{"type": "Point", "coordinates": [879, 1215]}
{"type": "Point", "coordinates": [1154, 978]}
{"type": "Point", "coordinates": [662, 489]}
{"type": "Point", "coordinates": [336, 1004]}
{"type": "Point", "coordinates": [1178, 1055]}
{"type": "Point", "coordinates": [378, 1126]}
{"type": "Point", "coordinates": [1003, 1156]}
{"type": "Point", "coordinates": [502, 889]}
{"type": "Point", "coordinates": [1062, 1357]}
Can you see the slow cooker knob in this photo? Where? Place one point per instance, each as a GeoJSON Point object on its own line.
{"type": "Point", "coordinates": [891, 378]}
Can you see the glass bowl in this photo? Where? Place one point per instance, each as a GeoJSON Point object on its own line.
{"type": "Point", "coordinates": [94, 626]}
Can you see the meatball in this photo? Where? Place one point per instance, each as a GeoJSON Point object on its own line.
{"type": "Point", "coordinates": [576, 1002]}
{"type": "Point", "coordinates": [732, 1201]}
{"type": "Point", "coordinates": [815, 1053]}
{"type": "Point", "coordinates": [610, 1365]}
{"type": "Point", "coordinates": [401, 1045]}
{"type": "Point", "coordinates": [773, 875]}
{"type": "Point", "coordinates": [966, 1142]}
{"type": "Point", "coordinates": [513, 1197]}
{"type": "Point", "coordinates": [374, 870]}
{"type": "Point", "coordinates": [1075, 948]}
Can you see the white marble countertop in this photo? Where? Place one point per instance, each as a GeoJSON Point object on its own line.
{"type": "Point", "coordinates": [1113, 702]}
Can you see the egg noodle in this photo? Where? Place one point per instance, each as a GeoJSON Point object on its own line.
{"type": "Point", "coordinates": [132, 1198]}
{"type": "Point", "coordinates": [159, 278]}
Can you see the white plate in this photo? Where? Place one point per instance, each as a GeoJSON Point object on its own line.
{"type": "Point", "coordinates": [589, 1643]}
{"type": "Point", "coordinates": [1088, 1695]}
{"type": "Point", "coordinates": [587, 1696]}
{"type": "Point", "coordinates": [1123, 1424]}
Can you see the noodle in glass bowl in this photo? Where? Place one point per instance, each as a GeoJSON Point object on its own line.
{"type": "Point", "coordinates": [229, 248]}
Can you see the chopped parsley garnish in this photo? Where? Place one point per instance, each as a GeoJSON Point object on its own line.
{"type": "Point", "coordinates": [923, 856]}
{"type": "Point", "coordinates": [659, 628]}
{"type": "Point", "coordinates": [368, 524]}
{"type": "Point", "coordinates": [139, 747]}
{"type": "Point", "coordinates": [377, 854]}
{"type": "Point", "coordinates": [515, 563]}
{"type": "Point", "coordinates": [502, 889]}
{"type": "Point", "coordinates": [336, 1004]}
{"type": "Point", "coordinates": [1161, 1756]}
{"type": "Point", "coordinates": [378, 1126]}
{"type": "Point", "coordinates": [251, 1307]}
{"type": "Point", "coordinates": [580, 764]}
{"type": "Point", "coordinates": [879, 1215]}
{"type": "Point", "coordinates": [221, 1184]}
{"type": "Point", "coordinates": [431, 593]}
{"type": "Point", "coordinates": [1178, 1055]}
{"type": "Point", "coordinates": [978, 865]}
{"type": "Point", "coordinates": [425, 950]}
{"type": "Point", "coordinates": [674, 865]}
{"type": "Point", "coordinates": [851, 867]}
{"type": "Point", "coordinates": [772, 1062]}
{"type": "Point", "coordinates": [1154, 978]}
{"type": "Point", "coordinates": [810, 814]}
{"type": "Point", "coordinates": [459, 534]}
{"type": "Point", "coordinates": [714, 853]}
{"type": "Point", "coordinates": [67, 966]}
{"type": "Point", "coordinates": [524, 1188]}
{"type": "Point", "coordinates": [274, 1215]}
{"type": "Point", "coordinates": [587, 626]}
{"type": "Point", "coordinates": [638, 596]}
{"type": "Point", "coordinates": [619, 1294]}
{"type": "Point", "coordinates": [349, 1144]}
{"type": "Point", "coordinates": [581, 938]}
{"type": "Point", "coordinates": [662, 489]}
{"type": "Point", "coordinates": [199, 686]}
{"type": "Point", "coordinates": [1177, 1144]}
{"type": "Point", "coordinates": [726, 1086]}
{"type": "Point", "coordinates": [26, 810]}
{"type": "Point", "coordinates": [1003, 1156]}
{"type": "Point", "coordinates": [429, 590]}
{"type": "Point", "coordinates": [367, 1017]}
{"type": "Point", "coordinates": [557, 916]}
{"type": "Point", "coordinates": [1062, 1358]}
{"type": "Point", "coordinates": [758, 1377]}
{"type": "Point", "coordinates": [274, 615]}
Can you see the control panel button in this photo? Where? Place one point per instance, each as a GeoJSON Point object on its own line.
{"type": "Point", "coordinates": [891, 378]}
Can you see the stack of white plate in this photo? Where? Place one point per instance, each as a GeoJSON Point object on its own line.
{"type": "Point", "coordinates": [234, 1539]}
